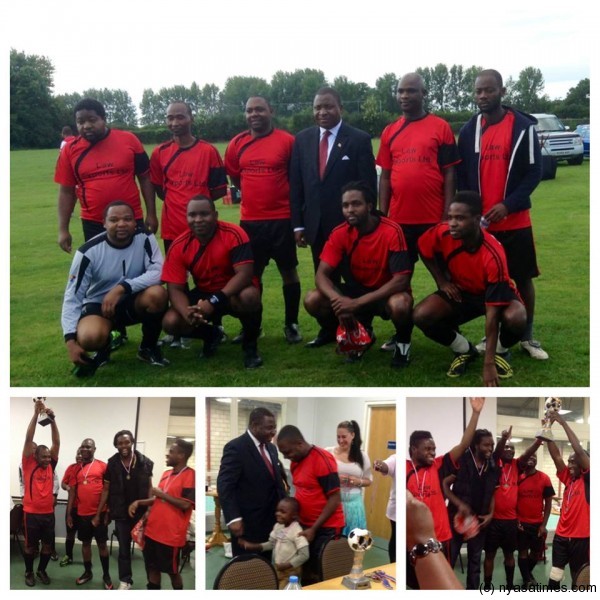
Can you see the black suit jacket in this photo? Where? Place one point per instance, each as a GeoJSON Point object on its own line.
{"type": "Point", "coordinates": [316, 203]}
{"type": "Point", "coordinates": [246, 488]}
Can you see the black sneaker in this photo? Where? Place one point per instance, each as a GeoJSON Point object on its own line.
{"type": "Point", "coordinates": [292, 333]}
{"type": "Point", "coordinates": [152, 356]}
{"type": "Point", "coordinates": [82, 579]}
{"type": "Point", "coordinates": [43, 577]}
{"type": "Point", "coordinates": [54, 556]}
{"type": "Point", "coordinates": [390, 345]}
{"type": "Point", "coordinates": [212, 341]}
{"type": "Point", "coordinates": [401, 356]}
{"type": "Point", "coordinates": [29, 579]}
{"type": "Point", "coordinates": [117, 339]}
{"type": "Point", "coordinates": [93, 363]}
{"type": "Point", "coordinates": [458, 366]}
{"type": "Point", "coordinates": [252, 360]}
{"type": "Point", "coordinates": [108, 584]}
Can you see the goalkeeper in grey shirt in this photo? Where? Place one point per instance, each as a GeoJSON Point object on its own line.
{"type": "Point", "coordinates": [114, 282]}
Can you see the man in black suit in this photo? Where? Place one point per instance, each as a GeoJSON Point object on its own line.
{"type": "Point", "coordinates": [324, 159]}
{"type": "Point", "coordinates": [250, 481]}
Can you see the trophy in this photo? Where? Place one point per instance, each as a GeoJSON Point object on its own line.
{"type": "Point", "coordinates": [43, 418]}
{"type": "Point", "coordinates": [553, 405]}
{"type": "Point", "coordinates": [360, 541]}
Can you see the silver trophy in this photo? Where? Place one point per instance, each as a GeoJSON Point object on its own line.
{"type": "Point", "coordinates": [553, 405]}
{"type": "Point", "coordinates": [43, 418]}
{"type": "Point", "coordinates": [359, 540]}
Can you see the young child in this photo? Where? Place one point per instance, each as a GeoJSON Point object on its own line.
{"type": "Point", "coordinates": [290, 550]}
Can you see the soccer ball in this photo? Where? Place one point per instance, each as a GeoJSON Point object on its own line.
{"type": "Point", "coordinates": [553, 405]}
{"type": "Point", "coordinates": [360, 540]}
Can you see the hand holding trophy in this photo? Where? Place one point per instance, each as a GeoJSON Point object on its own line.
{"type": "Point", "coordinates": [45, 415]}
{"type": "Point", "coordinates": [552, 406]}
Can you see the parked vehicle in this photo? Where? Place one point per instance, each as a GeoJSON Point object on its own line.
{"type": "Point", "coordinates": [584, 132]}
{"type": "Point", "coordinates": [557, 141]}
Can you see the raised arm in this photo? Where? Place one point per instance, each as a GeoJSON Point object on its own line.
{"type": "Point", "coordinates": [528, 453]}
{"type": "Point", "coordinates": [556, 456]}
{"type": "Point", "coordinates": [458, 450]}
{"type": "Point", "coordinates": [55, 435]}
{"type": "Point", "coordinates": [499, 449]}
{"type": "Point", "coordinates": [582, 457]}
{"type": "Point", "coordinates": [29, 445]}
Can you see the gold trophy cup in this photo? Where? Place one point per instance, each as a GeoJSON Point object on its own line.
{"type": "Point", "coordinates": [553, 405]}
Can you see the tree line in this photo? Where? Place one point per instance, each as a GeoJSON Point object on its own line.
{"type": "Point", "coordinates": [37, 115]}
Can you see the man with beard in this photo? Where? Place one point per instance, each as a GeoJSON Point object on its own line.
{"type": "Point", "coordinates": [424, 474]}
{"type": "Point", "coordinates": [257, 161]}
{"type": "Point", "coordinates": [470, 492]}
{"type": "Point", "coordinates": [38, 464]}
{"type": "Point", "coordinates": [86, 486]}
{"type": "Point", "coordinates": [128, 478]}
{"type": "Point", "coordinates": [167, 522]}
{"type": "Point", "coordinates": [469, 268]}
{"type": "Point", "coordinates": [501, 159]}
{"type": "Point", "coordinates": [502, 532]}
{"type": "Point", "coordinates": [571, 544]}
{"type": "Point", "coordinates": [534, 503]}
{"type": "Point", "coordinates": [369, 253]}
{"type": "Point", "coordinates": [219, 257]}
{"type": "Point", "coordinates": [249, 482]}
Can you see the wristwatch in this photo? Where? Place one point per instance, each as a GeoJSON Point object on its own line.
{"type": "Point", "coordinates": [421, 550]}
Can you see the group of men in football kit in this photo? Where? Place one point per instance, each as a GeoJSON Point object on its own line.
{"type": "Point", "coordinates": [319, 189]}
{"type": "Point", "coordinates": [119, 490]}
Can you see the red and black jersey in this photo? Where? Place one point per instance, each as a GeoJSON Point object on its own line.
{"type": "Point", "coordinates": [38, 484]}
{"type": "Point", "coordinates": [103, 172]}
{"type": "Point", "coordinates": [183, 173]}
{"type": "Point", "coordinates": [167, 524]}
{"type": "Point", "coordinates": [262, 164]}
{"type": "Point", "coordinates": [416, 153]}
{"type": "Point", "coordinates": [532, 491]}
{"type": "Point", "coordinates": [70, 471]}
{"type": "Point", "coordinates": [369, 260]}
{"type": "Point", "coordinates": [494, 161]}
{"type": "Point", "coordinates": [505, 497]}
{"type": "Point", "coordinates": [482, 271]}
{"type": "Point", "coordinates": [574, 521]}
{"type": "Point", "coordinates": [425, 484]}
{"type": "Point", "coordinates": [211, 265]}
{"type": "Point", "coordinates": [89, 479]}
{"type": "Point", "coordinates": [315, 478]}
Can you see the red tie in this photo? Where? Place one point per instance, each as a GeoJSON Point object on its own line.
{"type": "Point", "coordinates": [267, 461]}
{"type": "Point", "coordinates": [323, 147]}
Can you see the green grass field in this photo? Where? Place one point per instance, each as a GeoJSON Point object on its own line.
{"type": "Point", "coordinates": [39, 271]}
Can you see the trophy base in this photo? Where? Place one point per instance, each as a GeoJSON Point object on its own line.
{"type": "Point", "coordinates": [45, 421]}
{"type": "Point", "coordinates": [360, 583]}
{"type": "Point", "coordinates": [545, 435]}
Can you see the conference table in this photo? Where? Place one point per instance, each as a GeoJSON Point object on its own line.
{"type": "Point", "coordinates": [336, 583]}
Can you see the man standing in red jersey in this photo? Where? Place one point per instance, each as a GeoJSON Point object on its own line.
{"type": "Point", "coordinates": [39, 463]}
{"type": "Point", "coordinates": [169, 515]}
{"type": "Point", "coordinates": [86, 486]}
{"type": "Point", "coordinates": [257, 161]}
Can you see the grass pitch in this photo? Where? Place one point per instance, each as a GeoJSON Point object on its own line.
{"type": "Point", "coordinates": [39, 269]}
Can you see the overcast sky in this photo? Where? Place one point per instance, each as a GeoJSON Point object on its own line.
{"type": "Point", "coordinates": [134, 45]}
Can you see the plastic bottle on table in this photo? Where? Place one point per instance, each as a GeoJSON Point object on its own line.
{"type": "Point", "coordinates": [293, 583]}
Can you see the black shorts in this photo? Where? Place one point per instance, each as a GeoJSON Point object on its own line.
{"type": "Point", "coordinates": [93, 228]}
{"type": "Point", "coordinates": [160, 557]}
{"type": "Point", "coordinates": [501, 533]}
{"type": "Point", "coordinates": [528, 539]}
{"type": "Point", "coordinates": [520, 253]}
{"type": "Point", "coordinates": [574, 552]}
{"type": "Point", "coordinates": [273, 239]}
{"type": "Point", "coordinates": [412, 233]}
{"type": "Point", "coordinates": [38, 528]}
{"type": "Point", "coordinates": [374, 309]}
{"type": "Point", "coordinates": [124, 316]}
{"type": "Point", "coordinates": [86, 531]}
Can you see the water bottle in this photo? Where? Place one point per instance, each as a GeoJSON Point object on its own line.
{"type": "Point", "coordinates": [293, 583]}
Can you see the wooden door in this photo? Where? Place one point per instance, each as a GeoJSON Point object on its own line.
{"type": "Point", "coordinates": [382, 429]}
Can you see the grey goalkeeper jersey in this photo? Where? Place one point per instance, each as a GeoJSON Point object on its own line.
{"type": "Point", "coordinates": [99, 266]}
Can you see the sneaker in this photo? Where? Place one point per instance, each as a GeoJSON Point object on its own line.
{"type": "Point", "coordinates": [481, 346]}
{"type": "Point", "coordinates": [43, 577]}
{"type": "Point", "coordinates": [124, 585]}
{"type": "Point", "coordinates": [252, 360]}
{"type": "Point", "coordinates": [534, 349]}
{"type": "Point", "coordinates": [117, 339]}
{"type": "Point", "coordinates": [401, 356]}
{"type": "Point", "coordinates": [54, 556]}
{"type": "Point", "coordinates": [224, 337]}
{"type": "Point", "coordinates": [458, 366]}
{"type": "Point", "coordinates": [292, 333]}
{"type": "Point", "coordinates": [212, 341]}
{"type": "Point", "coordinates": [108, 584]}
{"type": "Point", "coordinates": [29, 579]}
{"type": "Point", "coordinates": [152, 356]}
{"type": "Point", "coordinates": [65, 560]}
{"type": "Point", "coordinates": [94, 363]}
{"type": "Point", "coordinates": [390, 345]}
{"type": "Point", "coordinates": [503, 367]}
{"type": "Point", "coordinates": [87, 576]}
{"type": "Point", "coordinates": [166, 340]}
